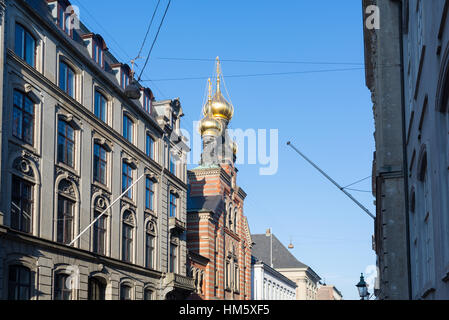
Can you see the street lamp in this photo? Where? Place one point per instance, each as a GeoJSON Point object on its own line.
{"type": "Point", "coordinates": [363, 289]}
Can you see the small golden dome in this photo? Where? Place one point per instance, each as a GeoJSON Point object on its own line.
{"type": "Point", "coordinates": [217, 106]}
{"type": "Point", "coordinates": [220, 108]}
{"type": "Point", "coordinates": [210, 126]}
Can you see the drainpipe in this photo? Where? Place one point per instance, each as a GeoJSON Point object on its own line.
{"type": "Point", "coordinates": [404, 149]}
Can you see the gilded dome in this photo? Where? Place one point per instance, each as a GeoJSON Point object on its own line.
{"type": "Point", "coordinates": [210, 126]}
{"type": "Point", "coordinates": [217, 105]}
{"type": "Point", "coordinates": [220, 108]}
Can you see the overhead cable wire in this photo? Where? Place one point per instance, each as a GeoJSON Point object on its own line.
{"type": "Point", "coordinates": [148, 30]}
{"type": "Point", "coordinates": [265, 61]}
{"type": "Point", "coordinates": [155, 39]}
{"type": "Point", "coordinates": [258, 74]}
{"type": "Point", "coordinates": [357, 182]}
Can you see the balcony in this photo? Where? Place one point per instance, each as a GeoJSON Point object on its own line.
{"type": "Point", "coordinates": [178, 281]}
{"type": "Point", "coordinates": [177, 225]}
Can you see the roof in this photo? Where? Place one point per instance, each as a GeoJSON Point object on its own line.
{"type": "Point", "coordinates": [282, 258]}
{"type": "Point", "coordinates": [210, 203]}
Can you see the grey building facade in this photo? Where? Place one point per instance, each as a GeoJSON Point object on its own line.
{"type": "Point", "coordinates": [71, 143]}
{"type": "Point", "coordinates": [418, 33]}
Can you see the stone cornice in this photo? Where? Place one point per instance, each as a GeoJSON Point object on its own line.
{"type": "Point", "coordinates": [10, 234]}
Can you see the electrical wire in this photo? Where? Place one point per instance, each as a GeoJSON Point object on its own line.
{"type": "Point", "coordinates": [155, 39]}
{"type": "Point", "coordinates": [357, 182]}
{"type": "Point", "coordinates": [265, 61]}
{"type": "Point", "coordinates": [148, 30]}
{"type": "Point", "coordinates": [258, 74]}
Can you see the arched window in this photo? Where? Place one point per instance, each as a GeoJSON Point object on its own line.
{"type": "Point", "coordinates": [230, 219]}
{"type": "Point", "coordinates": [101, 106]}
{"type": "Point", "coordinates": [25, 45]}
{"type": "Point", "coordinates": [21, 205]}
{"type": "Point", "coordinates": [127, 236]}
{"type": "Point", "coordinates": [148, 294]}
{"type": "Point", "coordinates": [66, 143]}
{"type": "Point", "coordinates": [62, 290]}
{"type": "Point", "coordinates": [19, 283]}
{"type": "Point", "coordinates": [150, 249]}
{"type": "Point", "coordinates": [67, 77]}
{"type": "Point", "coordinates": [96, 289]}
{"type": "Point", "coordinates": [235, 220]}
{"type": "Point", "coordinates": [23, 117]}
{"type": "Point", "coordinates": [100, 232]}
{"type": "Point", "coordinates": [125, 292]}
{"type": "Point", "coordinates": [66, 212]}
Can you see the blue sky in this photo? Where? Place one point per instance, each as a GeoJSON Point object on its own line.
{"type": "Point", "coordinates": [327, 115]}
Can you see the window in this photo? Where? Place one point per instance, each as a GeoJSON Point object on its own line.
{"type": "Point", "coordinates": [127, 180]}
{"type": "Point", "coordinates": [65, 19]}
{"type": "Point", "coordinates": [100, 164]}
{"type": "Point", "coordinates": [149, 263]}
{"type": "Point", "coordinates": [67, 79]}
{"type": "Point", "coordinates": [19, 283]}
{"type": "Point", "coordinates": [127, 236]}
{"type": "Point", "coordinates": [65, 220]}
{"type": "Point", "coordinates": [66, 143]}
{"type": "Point", "coordinates": [100, 108]}
{"type": "Point", "coordinates": [25, 45]}
{"type": "Point", "coordinates": [148, 295]}
{"type": "Point", "coordinates": [149, 194]}
{"type": "Point", "coordinates": [23, 117]}
{"type": "Point", "coordinates": [172, 205]}
{"type": "Point", "coordinates": [99, 237]}
{"type": "Point", "coordinates": [124, 81]}
{"type": "Point", "coordinates": [173, 258]}
{"type": "Point", "coordinates": [62, 290]}
{"type": "Point", "coordinates": [150, 147]}
{"type": "Point", "coordinates": [21, 205]}
{"type": "Point", "coordinates": [125, 292]}
{"type": "Point", "coordinates": [128, 128]}
{"type": "Point", "coordinates": [97, 289]}
{"type": "Point", "coordinates": [98, 54]}
{"type": "Point", "coordinates": [147, 103]}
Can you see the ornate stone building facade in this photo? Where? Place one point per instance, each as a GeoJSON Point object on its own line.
{"type": "Point", "coordinates": [218, 236]}
{"type": "Point", "coordinates": [408, 74]}
{"type": "Point", "coordinates": [72, 142]}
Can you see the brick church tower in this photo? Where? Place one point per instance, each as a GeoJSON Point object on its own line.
{"type": "Point", "coordinates": [218, 236]}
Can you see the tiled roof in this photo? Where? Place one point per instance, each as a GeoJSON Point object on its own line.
{"type": "Point", "coordinates": [282, 258]}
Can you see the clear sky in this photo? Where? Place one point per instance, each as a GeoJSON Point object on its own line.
{"type": "Point", "coordinates": [328, 115]}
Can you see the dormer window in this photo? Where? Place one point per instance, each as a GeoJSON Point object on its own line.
{"type": "Point", "coordinates": [124, 81]}
{"type": "Point", "coordinates": [98, 54]}
{"type": "Point", "coordinates": [147, 98]}
{"type": "Point", "coordinates": [63, 17]}
{"type": "Point", "coordinates": [97, 46]}
{"type": "Point", "coordinates": [122, 74]}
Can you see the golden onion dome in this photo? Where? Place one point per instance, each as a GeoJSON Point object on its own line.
{"type": "Point", "coordinates": [220, 108]}
{"type": "Point", "coordinates": [217, 105]}
{"type": "Point", "coordinates": [210, 126]}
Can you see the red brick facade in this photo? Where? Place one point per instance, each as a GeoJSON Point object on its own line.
{"type": "Point", "coordinates": [218, 234]}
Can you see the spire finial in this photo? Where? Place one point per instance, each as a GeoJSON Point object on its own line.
{"type": "Point", "coordinates": [210, 90]}
{"type": "Point", "coordinates": [218, 74]}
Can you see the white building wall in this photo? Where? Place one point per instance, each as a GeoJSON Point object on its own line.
{"type": "Point", "coordinates": [269, 284]}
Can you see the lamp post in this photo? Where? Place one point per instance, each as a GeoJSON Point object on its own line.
{"type": "Point", "coordinates": [363, 289]}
